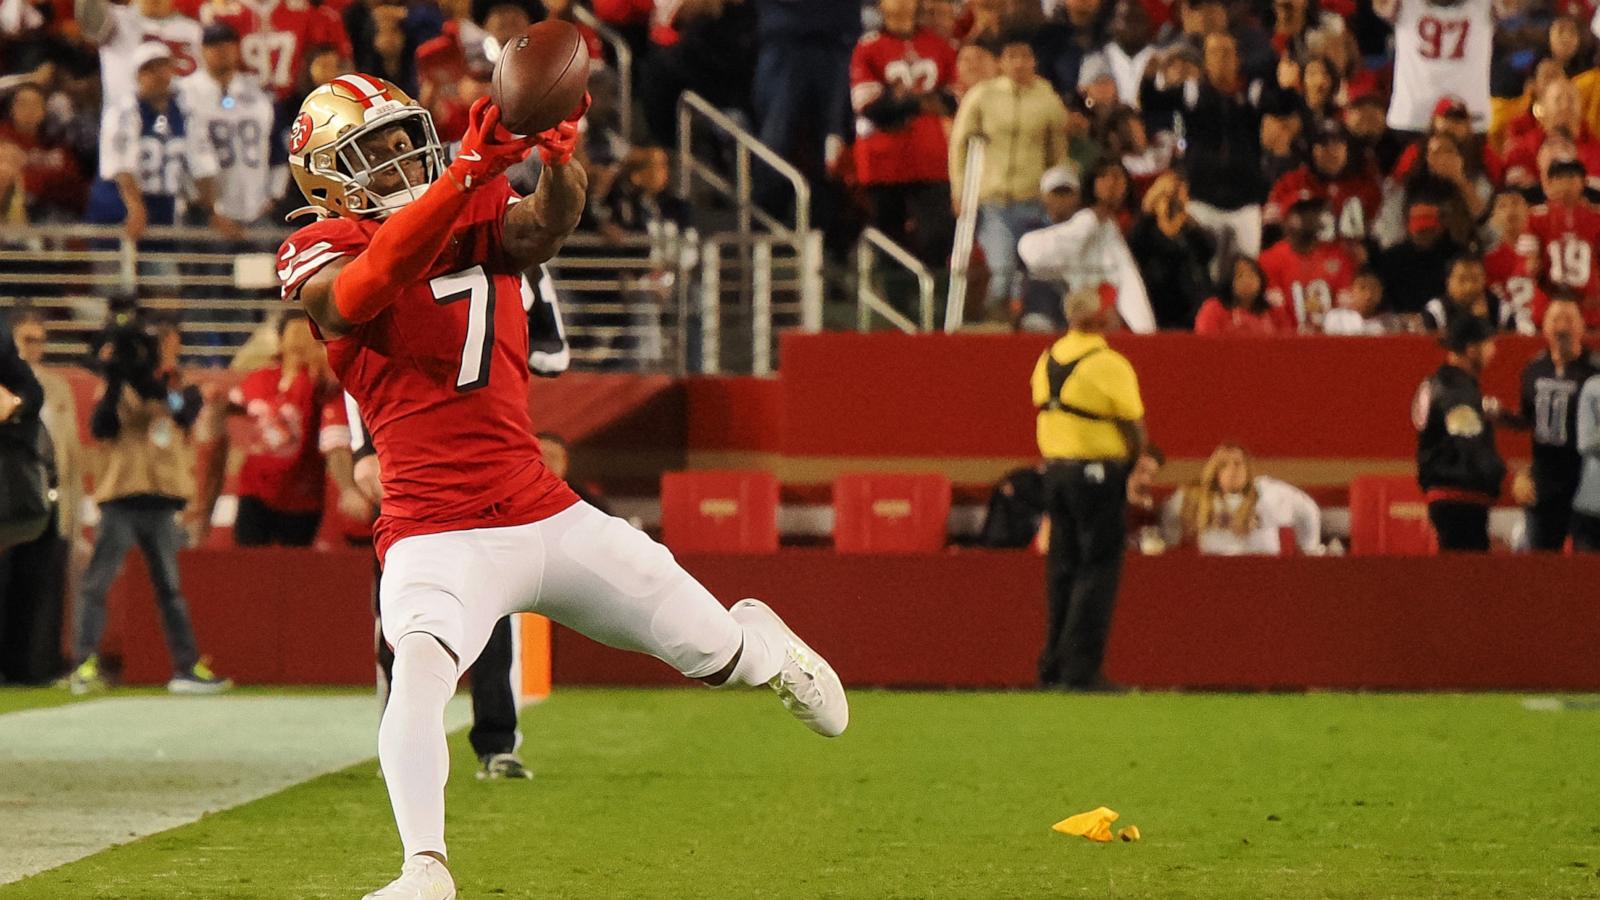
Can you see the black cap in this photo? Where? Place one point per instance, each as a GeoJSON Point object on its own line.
{"type": "Point", "coordinates": [1566, 167]}
{"type": "Point", "coordinates": [1306, 201]}
{"type": "Point", "coordinates": [218, 33]}
{"type": "Point", "coordinates": [1465, 331]}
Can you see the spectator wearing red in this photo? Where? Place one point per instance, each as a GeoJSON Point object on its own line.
{"type": "Point", "coordinates": [1512, 263]}
{"type": "Point", "coordinates": [1451, 117]}
{"type": "Point", "coordinates": [900, 87]}
{"type": "Point", "coordinates": [299, 436]}
{"type": "Point", "coordinates": [1559, 112]}
{"type": "Point", "coordinates": [1240, 306]}
{"type": "Point", "coordinates": [1345, 181]}
{"type": "Point", "coordinates": [54, 188]}
{"type": "Point", "coordinates": [274, 35]}
{"type": "Point", "coordinates": [1307, 276]}
{"type": "Point", "coordinates": [1567, 229]}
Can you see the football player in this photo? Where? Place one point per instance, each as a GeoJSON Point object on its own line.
{"type": "Point", "coordinates": [412, 277]}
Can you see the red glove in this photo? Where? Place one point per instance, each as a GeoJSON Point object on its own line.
{"type": "Point", "coordinates": [556, 145]}
{"type": "Point", "coordinates": [483, 155]}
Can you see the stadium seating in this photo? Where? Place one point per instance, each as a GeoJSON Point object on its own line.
{"type": "Point", "coordinates": [890, 513]}
{"type": "Point", "coordinates": [720, 511]}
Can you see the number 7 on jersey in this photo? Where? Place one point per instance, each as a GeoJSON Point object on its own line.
{"type": "Point", "coordinates": [475, 287]}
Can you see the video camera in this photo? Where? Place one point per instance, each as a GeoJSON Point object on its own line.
{"type": "Point", "coordinates": [127, 348]}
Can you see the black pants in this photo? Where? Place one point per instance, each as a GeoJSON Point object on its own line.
{"type": "Point", "coordinates": [916, 215]}
{"type": "Point", "coordinates": [1088, 535]}
{"type": "Point", "coordinates": [258, 525]}
{"type": "Point", "coordinates": [1462, 527]}
{"type": "Point", "coordinates": [1550, 519]}
{"type": "Point", "coordinates": [1585, 533]}
{"type": "Point", "coordinates": [494, 706]}
{"type": "Point", "coordinates": [33, 579]}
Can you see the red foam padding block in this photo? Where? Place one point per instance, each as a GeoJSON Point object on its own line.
{"type": "Point", "coordinates": [890, 513]}
{"type": "Point", "coordinates": [1389, 517]}
{"type": "Point", "coordinates": [720, 511]}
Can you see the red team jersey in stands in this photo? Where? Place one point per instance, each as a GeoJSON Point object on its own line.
{"type": "Point", "coordinates": [1302, 289]}
{"type": "Point", "coordinates": [292, 426]}
{"type": "Point", "coordinates": [441, 379]}
{"type": "Point", "coordinates": [1567, 236]}
{"type": "Point", "coordinates": [1513, 271]}
{"type": "Point", "coordinates": [274, 36]}
{"type": "Point", "coordinates": [923, 63]}
{"type": "Point", "coordinates": [1353, 201]}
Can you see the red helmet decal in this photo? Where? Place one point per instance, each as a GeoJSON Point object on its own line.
{"type": "Point", "coordinates": [300, 133]}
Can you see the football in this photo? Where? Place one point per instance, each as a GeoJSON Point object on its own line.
{"type": "Point", "coordinates": [540, 77]}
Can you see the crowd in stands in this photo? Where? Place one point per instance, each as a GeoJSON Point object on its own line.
{"type": "Point", "coordinates": [1309, 166]}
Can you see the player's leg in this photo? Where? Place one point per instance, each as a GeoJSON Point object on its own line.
{"type": "Point", "coordinates": [440, 596]}
{"type": "Point", "coordinates": [609, 581]}
{"type": "Point", "coordinates": [494, 735]}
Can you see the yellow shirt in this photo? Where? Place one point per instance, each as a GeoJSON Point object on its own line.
{"type": "Point", "coordinates": [1103, 384]}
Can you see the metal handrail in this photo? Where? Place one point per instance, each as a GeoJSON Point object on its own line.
{"type": "Point", "coordinates": [869, 301]}
{"type": "Point", "coordinates": [624, 54]}
{"type": "Point", "coordinates": [691, 104]}
{"type": "Point", "coordinates": [966, 231]}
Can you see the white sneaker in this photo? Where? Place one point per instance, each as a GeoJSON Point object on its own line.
{"type": "Point", "coordinates": [421, 878]}
{"type": "Point", "coordinates": [807, 685]}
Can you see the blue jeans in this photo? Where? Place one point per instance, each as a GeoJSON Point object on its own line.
{"type": "Point", "coordinates": [1000, 226]}
{"type": "Point", "coordinates": [156, 532]}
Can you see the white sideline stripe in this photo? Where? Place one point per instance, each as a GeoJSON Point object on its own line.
{"type": "Point", "coordinates": [81, 778]}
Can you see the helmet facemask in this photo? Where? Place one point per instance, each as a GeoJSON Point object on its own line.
{"type": "Point", "coordinates": [360, 167]}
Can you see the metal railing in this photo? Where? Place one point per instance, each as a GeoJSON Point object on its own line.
{"type": "Point", "coordinates": [774, 280]}
{"type": "Point", "coordinates": [795, 230]}
{"type": "Point", "coordinates": [966, 232]}
{"type": "Point", "coordinates": [624, 54]}
{"type": "Point", "coordinates": [623, 302]}
{"type": "Point", "coordinates": [870, 300]}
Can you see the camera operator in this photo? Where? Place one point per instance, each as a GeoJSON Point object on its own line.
{"type": "Point", "coordinates": [143, 420]}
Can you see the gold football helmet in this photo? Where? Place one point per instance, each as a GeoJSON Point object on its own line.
{"type": "Point", "coordinates": [335, 165]}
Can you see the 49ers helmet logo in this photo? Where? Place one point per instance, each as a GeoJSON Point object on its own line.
{"type": "Point", "coordinates": [300, 133]}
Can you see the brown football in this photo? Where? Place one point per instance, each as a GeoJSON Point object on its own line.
{"type": "Point", "coordinates": [540, 77]}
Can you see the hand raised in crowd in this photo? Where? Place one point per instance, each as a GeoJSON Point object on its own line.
{"type": "Point", "coordinates": [9, 404]}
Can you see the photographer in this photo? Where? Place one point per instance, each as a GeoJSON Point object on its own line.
{"type": "Point", "coordinates": [143, 419]}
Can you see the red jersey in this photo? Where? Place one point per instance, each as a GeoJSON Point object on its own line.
{"type": "Point", "coordinates": [274, 36]}
{"type": "Point", "coordinates": [292, 425]}
{"type": "Point", "coordinates": [441, 379]}
{"type": "Point", "coordinates": [1214, 318]}
{"type": "Point", "coordinates": [1513, 270]}
{"type": "Point", "coordinates": [1353, 201]}
{"type": "Point", "coordinates": [1302, 289]}
{"type": "Point", "coordinates": [1522, 157]}
{"type": "Point", "coordinates": [915, 150]}
{"type": "Point", "coordinates": [1567, 236]}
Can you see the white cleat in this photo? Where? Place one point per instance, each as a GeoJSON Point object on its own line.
{"type": "Point", "coordinates": [807, 685]}
{"type": "Point", "coordinates": [421, 878]}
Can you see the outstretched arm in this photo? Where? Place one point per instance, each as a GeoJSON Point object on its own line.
{"type": "Point", "coordinates": [536, 227]}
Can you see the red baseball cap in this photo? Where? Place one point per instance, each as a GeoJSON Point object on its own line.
{"type": "Point", "coordinates": [1451, 106]}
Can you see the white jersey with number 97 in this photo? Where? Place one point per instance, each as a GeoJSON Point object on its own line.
{"type": "Point", "coordinates": [1440, 50]}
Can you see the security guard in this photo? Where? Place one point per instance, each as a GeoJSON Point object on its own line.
{"type": "Point", "coordinates": [1090, 429]}
{"type": "Point", "coordinates": [1458, 467]}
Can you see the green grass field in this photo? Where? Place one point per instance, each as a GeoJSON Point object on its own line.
{"type": "Point", "coordinates": [691, 794]}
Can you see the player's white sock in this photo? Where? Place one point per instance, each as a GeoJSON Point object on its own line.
{"type": "Point", "coordinates": [411, 742]}
{"type": "Point", "coordinates": [763, 651]}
